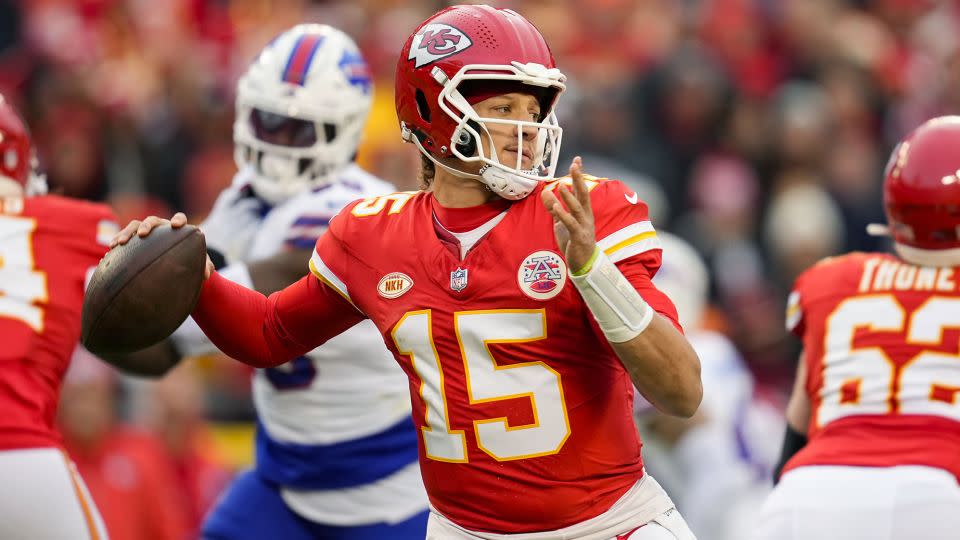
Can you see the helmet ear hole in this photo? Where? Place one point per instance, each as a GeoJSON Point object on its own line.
{"type": "Point", "coordinates": [422, 107]}
{"type": "Point", "coordinates": [466, 142]}
{"type": "Point", "coordinates": [329, 132]}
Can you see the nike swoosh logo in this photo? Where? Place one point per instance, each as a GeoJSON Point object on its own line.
{"type": "Point", "coordinates": [632, 199]}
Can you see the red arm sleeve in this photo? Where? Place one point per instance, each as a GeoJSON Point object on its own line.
{"type": "Point", "coordinates": [265, 332]}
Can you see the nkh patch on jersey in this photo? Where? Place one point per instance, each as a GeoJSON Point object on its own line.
{"type": "Point", "coordinates": [394, 285]}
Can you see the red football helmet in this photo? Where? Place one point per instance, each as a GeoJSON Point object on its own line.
{"type": "Point", "coordinates": [14, 145]}
{"type": "Point", "coordinates": [477, 43]}
{"type": "Point", "coordinates": [922, 189]}
{"type": "Point", "coordinates": [17, 161]}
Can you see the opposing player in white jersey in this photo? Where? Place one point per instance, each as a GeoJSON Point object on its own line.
{"type": "Point", "coordinates": [716, 465]}
{"type": "Point", "coordinates": [336, 449]}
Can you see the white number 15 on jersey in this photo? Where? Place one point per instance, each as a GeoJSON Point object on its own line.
{"type": "Point", "coordinates": [486, 381]}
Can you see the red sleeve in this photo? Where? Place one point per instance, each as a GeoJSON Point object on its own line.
{"type": "Point", "coordinates": [807, 284]}
{"type": "Point", "coordinates": [332, 260]}
{"type": "Point", "coordinates": [266, 332]}
{"type": "Point", "coordinates": [625, 233]}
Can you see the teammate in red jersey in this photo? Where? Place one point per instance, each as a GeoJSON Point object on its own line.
{"type": "Point", "coordinates": [47, 246]}
{"type": "Point", "coordinates": [873, 440]}
{"type": "Point", "coordinates": [520, 307]}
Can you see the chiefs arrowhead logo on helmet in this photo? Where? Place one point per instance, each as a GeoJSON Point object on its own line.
{"type": "Point", "coordinates": [436, 41]}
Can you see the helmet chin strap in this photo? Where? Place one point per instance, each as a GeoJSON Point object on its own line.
{"type": "Point", "coordinates": [928, 257]}
{"type": "Point", "coordinates": [505, 184]}
{"type": "Point", "coordinates": [918, 256]}
{"type": "Point", "coordinates": [489, 176]}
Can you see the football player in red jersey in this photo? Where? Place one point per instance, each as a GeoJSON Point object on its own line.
{"type": "Point", "coordinates": [520, 306]}
{"type": "Point", "coordinates": [47, 246]}
{"type": "Point", "coordinates": [872, 448]}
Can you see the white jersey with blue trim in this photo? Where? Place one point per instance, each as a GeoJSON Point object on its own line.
{"type": "Point", "coordinates": [334, 425]}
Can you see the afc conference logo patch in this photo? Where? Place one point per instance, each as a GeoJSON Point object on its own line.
{"type": "Point", "coordinates": [394, 285]}
{"type": "Point", "coordinates": [435, 41]}
{"type": "Point", "coordinates": [542, 275]}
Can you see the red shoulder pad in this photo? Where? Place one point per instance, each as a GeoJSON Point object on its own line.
{"type": "Point", "coordinates": [830, 276]}
{"type": "Point", "coordinates": [622, 221]}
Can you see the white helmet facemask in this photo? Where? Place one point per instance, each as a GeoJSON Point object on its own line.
{"type": "Point", "coordinates": [508, 180]}
{"type": "Point", "coordinates": [301, 108]}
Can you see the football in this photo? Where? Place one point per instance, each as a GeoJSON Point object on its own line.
{"type": "Point", "coordinates": [143, 290]}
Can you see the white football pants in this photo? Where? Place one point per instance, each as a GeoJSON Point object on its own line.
{"type": "Point", "coordinates": [645, 505]}
{"type": "Point", "coordinates": [43, 497]}
{"type": "Point", "coordinates": [862, 503]}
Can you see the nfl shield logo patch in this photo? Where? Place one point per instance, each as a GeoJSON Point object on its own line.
{"type": "Point", "coordinates": [458, 279]}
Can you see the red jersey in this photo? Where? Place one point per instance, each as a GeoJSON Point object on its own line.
{"type": "Point", "coordinates": [881, 338]}
{"type": "Point", "coordinates": [524, 410]}
{"type": "Point", "coordinates": [47, 245]}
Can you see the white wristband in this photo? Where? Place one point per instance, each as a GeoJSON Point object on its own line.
{"type": "Point", "coordinates": [618, 308]}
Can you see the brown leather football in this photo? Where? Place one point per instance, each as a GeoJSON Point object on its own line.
{"type": "Point", "coordinates": [142, 291]}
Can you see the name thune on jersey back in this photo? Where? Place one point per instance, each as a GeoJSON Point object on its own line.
{"type": "Point", "coordinates": [882, 275]}
{"type": "Point", "coordinates": [880, 340]}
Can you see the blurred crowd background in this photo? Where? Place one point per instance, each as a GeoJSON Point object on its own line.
{"type": "Point", "coordinates": [756, 129]}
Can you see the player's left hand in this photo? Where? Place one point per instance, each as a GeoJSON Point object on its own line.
{"type": "Point", "coordinates": [573, 226]}
{"type": "Point", "coordinates": [143, 228]}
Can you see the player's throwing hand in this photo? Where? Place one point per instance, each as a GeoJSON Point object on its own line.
{"type": "Point", "coordinates": [143, 228]}
{"type": "Point", "coordinates": [573, 227]}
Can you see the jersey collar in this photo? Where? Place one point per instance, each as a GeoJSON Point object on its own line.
{"type": "Point", "coordinates": [466, 219]}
